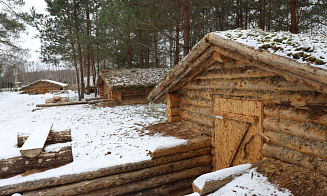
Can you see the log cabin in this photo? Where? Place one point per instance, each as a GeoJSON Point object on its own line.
{"type": "Point", "coordinates": [43, 86]}
{"type": "Point", "coordinates": [129, 86]}
{"type": "Point", "coordinates": [256, 94]}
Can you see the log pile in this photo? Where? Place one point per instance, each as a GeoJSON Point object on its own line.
{"type": "Point", "coordinates": [170, 171]}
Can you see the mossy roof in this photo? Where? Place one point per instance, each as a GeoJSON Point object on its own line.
{"type": "Point", "coordinates": [133, 78]}
{"type": "Point", "coordinates": [46, 81]}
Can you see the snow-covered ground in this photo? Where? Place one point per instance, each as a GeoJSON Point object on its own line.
{"type": "Point", "coordinates": [102, 136]}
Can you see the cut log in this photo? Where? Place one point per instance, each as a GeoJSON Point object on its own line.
{"type": "Point", "coordinates": [291, 113]}
{"type": "Point", "coordinates": [172, 119]}
{"type": "Point", "coordinates": [173, 111]}
{"type": "Point", "coordinates": [309, 131]}
{"type": "Point", "coordinates": [309, 147]}
{"type": "Point", "coordinates": [173, 97]}
{"type": "Point", "coordinates": [171, 104]}
{"type": "Point", "coordinates": [269, 83]}
{"type": "Point", "coordinates": [211, 182]}
{"type": "Point", "coordinates": [166, 189]}
{"type": "Point", "coordinates": [200, 142]}
{"type": "Point", "coordinates": [72, 178]}
{"type": "Point", "coordinates": [209, 131]}
{"type": "Point", "coordinates": [197, 102]}
{"type": "Point", "coordinates": [198, 118]}
{"type": "Point", "coordinates": [294, 157]}
{"type": "Point", "coordinates": [53, 138]}
{"type": "Point", "coordinates": [18, 165]}
{"type": "Point", "coordinates": [176, 177]}
{"type": "Point", "coordinates": [35, 142]}
{"type": "Point", "coordinates": [124, 178]}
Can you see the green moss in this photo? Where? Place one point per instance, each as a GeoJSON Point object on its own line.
{"type": "Point", "coordinates": [319, 62]}
{"type": "Point", "coordinates": [278, 40]}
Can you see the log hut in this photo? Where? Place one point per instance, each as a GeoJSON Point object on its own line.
{"type": "Point", "coordinates": [129, 86]}
{"type": "Point", "coordinates": [256, 94]}
{"type": "Point", "coordinates": [43, 86]}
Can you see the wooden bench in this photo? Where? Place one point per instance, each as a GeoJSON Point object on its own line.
{"type": "Point", "coordinates": [35, 142]}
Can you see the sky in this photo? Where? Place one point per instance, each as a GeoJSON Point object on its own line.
{"type": "Point", "coordinates": [34, 44]}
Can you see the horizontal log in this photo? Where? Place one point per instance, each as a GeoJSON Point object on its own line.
{"type": "Point", "coordinates": [306, 130]}
{"type": "Point", "coordinates": [123, 178]}
{"type": "Point", "coordinates": [295, 157]}
{"type": "Point", "coordinates": [209, 131]}
{"type": "Point", "coordinates": [166, 189]}
{"type": "Point", "coordinates": [198, 110]}
{"type": "Point", "coordinates": [72, 178]}
{"type": "Point", "coordinates": [53, 138]}
{"type": "Point", "coordinates": [271, 84]}
{"type": "Point", "coordinates": [18, 165]}
{"type": "Point", "coordinates": [197, 102]}
{"type": "Point", "coordinates": [204, 94]}
{"type": "Point", "coordinates": [175, 177]}
{"type": "Point", "coordinates": [173, 111]}
{"type": "Point", "coordinates": [174, 119]}
{"type": "Point", "coordinates": [309, 147]}
{"type": "Point", "coordinates": [198, 118]}
{"type": "Point", "coordinates": [197, 143]}
{"type": "Point", "coordinates": [235, 73]}
{"type": "Point", "coordinates": [291, 113]}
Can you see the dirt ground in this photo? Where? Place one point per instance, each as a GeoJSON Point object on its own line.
{"type": "Point", "coordinates": [301, 181]}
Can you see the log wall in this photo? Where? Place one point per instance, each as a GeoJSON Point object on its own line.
{"type": "Point", "coordinates": [294, 118]}
{"type": "Point", "coordinates": [41, 88]}
{"type": "Point", "coordinates": [173, 107]}
{"type": "Point", "coordinates": [170, 171]}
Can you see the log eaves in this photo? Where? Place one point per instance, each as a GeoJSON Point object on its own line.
{"type": "Point", "coordinates": [291, 70]}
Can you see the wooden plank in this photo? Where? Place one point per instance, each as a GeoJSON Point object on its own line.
{"type": "Point", "coordinates": [53, 138]}
{"type": "Point", "coordinates": [173, 111]}
{"type": "Point", "coordinates": [35, 142]}
{"type": "Point", "coordinates": [198, 118]}
{"type": "Point", "coordinates": [238, 117]}
{"type": "Point", "coordinates": [172, 104]}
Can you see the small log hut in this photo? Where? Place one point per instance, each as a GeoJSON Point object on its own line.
{"type": "Point", "coordinates": [129, 86]}
{"type": "Point", "coordinates": [43, 86]}
{"type": "Point", "coordinates": [252, 102]}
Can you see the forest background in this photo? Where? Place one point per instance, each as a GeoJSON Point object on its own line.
{"type": "Point", "coordinates": [82, 37]}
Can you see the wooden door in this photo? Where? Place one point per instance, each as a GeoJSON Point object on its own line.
{"type": "Point", "coordinates": [237, 122]}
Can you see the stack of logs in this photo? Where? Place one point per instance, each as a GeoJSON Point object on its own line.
{"type": "Point", "coordinates": [297, 136]}
{"type": "Point", "coordinates": [17, 165]}
{"type": "Point", "coordinates": [173, 104]}
{"type": "Point", "coordinates": [171, 171]}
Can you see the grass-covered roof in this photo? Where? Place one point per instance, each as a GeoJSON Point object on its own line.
{"type": "Point", "coordinates": [133, 78]}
